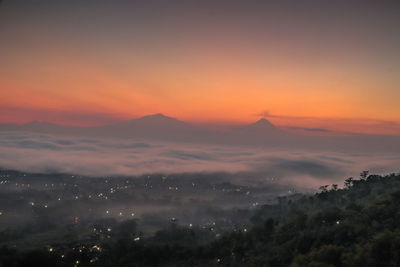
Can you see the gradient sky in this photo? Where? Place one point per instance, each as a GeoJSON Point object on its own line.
{"type": "Point", "coordinates": [330, 64]}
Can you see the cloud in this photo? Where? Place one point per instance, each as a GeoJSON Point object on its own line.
{"type": "Point", "coordinates": [265, 114]}
{"type": "Point", "coordinates": [331, 158]}
{"type": "Point", "coordinates": [30, 144]}
{"type": "Point", "coordinates": [307, 167]}
{"type": "Point", "coordinates": [322, 130]}
{"type": "Point", "coordinates": [105, 157]}
{"type": "Point", "coordinates": [333, 124]}
{"type": "Point", "coordinates": [187, 155]}
{"type": "Point", "coordinates": [128, 146]}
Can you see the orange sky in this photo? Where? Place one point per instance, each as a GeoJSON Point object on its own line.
{"type": "Point", "coordinates": [226, 70]}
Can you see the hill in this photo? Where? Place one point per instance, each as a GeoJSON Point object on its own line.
{"type": "Point", "coordinates": [357, 225]}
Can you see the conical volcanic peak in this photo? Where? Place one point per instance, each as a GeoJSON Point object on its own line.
{"type": "Point", "coordinates": [264, 123]}
{"type": "Point", "coordinates": [156, 117]}
{"type": "Point", "coordinates": [158, 120]}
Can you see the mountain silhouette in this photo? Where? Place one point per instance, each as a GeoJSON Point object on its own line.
{"type": "Point", "coordinates": [260, 130]}
{"type": "Point", "coordinates": [262, 126]}
{"type": "Point", "coordinates": [157, 126]}
{"type": "Point", "coordinates": [157, 121]}
{"type": "Point", "coordinates": [163, 128]}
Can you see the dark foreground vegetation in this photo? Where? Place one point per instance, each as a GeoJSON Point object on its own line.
{"type": "Point", "coordinates": [358, 225]}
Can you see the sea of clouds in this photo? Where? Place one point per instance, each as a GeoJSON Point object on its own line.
{"type": "Point", "coordinates": [131, 157]}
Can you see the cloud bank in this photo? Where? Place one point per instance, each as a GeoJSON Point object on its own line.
{"type": "Point", "coordinates": [107, 157]}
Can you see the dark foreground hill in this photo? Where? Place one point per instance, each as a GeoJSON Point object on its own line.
{"type": "Point", "coordinates": [358, 225]}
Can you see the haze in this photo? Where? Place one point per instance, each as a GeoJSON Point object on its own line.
{"type": "Point", "coordinates": [313, 64]}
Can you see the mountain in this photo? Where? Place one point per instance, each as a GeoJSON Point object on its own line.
{"type": "Point", "coordinates": [33, 126]}
{"type": "Point", "coordinates": [155, 122]}
{"type": "Point", "coordinates": [261, 132]}
{"type": "Point", "coordinates": [163, 128]}
{"type": "Point", "coordinates": [261, 127]}
{"type": "Point", "coordinates": [158, 126]}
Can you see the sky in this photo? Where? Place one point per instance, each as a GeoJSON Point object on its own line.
{"type": "Point", "coordinates": [317, 64]}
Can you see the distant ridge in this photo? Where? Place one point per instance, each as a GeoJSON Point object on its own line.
{"type": "Point", "coordinates": [164, 128]}
{"type": "Point", "coordinates": [156, 116]}
{"type": "Point", "coordinates": [157, 120]}
{"type": "Point", "coordinates": [262, 124]}
{"type": "Point", "coordinates": [260, 128]}
{"type": "Point", "coordinates": [33, 126]}
{"type": "Point", "coordinates": [157, 126]}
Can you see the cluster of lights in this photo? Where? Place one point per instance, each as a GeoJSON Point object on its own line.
{"type": "Point", "coordinates": [173, 188]}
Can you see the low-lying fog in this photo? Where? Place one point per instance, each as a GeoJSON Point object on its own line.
{"type": "Point", "coordinates": [43, 153]}
{"type": "Point", "coordinates": [59, 190]}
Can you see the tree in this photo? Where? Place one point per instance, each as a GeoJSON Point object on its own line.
{"type": "Point", "coordinates": [364, 175]}
{"type": "Point", "coordinates": [348, 182]}
{"type": "Point", "coordinates": [324, 188]}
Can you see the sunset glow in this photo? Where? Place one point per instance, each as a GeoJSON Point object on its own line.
{"type": "Point", "coordinates": [330, 66]}
{"type": "Point", "coordinates": [199, 133]}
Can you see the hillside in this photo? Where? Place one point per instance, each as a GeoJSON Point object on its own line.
{"type": "Point", "coordinates": [354, 226]}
